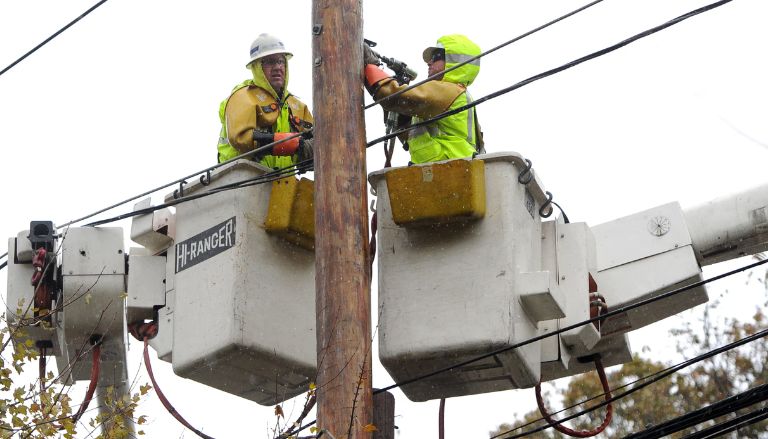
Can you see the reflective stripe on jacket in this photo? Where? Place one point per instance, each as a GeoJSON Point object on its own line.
{"type": "Point", "coordinates": [254, 105]}
{"type": "Point", "coordinates": [455, 136]}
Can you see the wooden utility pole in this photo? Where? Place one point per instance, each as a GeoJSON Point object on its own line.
{"type": "Point", "coordinates": [344, 398]}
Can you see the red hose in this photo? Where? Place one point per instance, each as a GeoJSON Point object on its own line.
{"type": "Point", "coordinates": [441, 420]}
{"type": "Point", "coordinates": [152, 328]}
{"type": "Point", "coordinates": [95, 368]}
{"type": "Point", "coordinates": [583, 433]}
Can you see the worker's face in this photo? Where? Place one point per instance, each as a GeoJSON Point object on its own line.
{"type": "Point", "coordinates": [274, 67]}
{"type": "Point", "coordinates": [436, 64]}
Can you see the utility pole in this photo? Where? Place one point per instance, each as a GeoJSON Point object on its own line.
{"type": "Point", "coordinates": [344, 396]}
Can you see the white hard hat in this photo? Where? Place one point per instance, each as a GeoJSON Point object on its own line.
{"type": "Point", "coordinates": [265, 45]}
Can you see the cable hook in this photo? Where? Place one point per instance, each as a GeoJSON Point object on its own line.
{"type": "Point", "coordinates": [205, 179]}
{"type": "Point", "coordinates": [178, 193]}
{"type": "Point", "coordinates": [544, 206]}
{"type": "Point", "coordinates": [526, 170]}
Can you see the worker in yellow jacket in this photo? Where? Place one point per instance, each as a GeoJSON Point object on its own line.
{"type": "Point", "coordinates": [455, 136]}
{"type": "Point", "coordinates": [262, 110]}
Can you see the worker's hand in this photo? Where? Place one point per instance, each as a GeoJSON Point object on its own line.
{"type": "Point", "coordinates": [287, 147]}
{"type": "Point", "coordinates": [262, 138]}
{"type": "Point", "coordinates": [369, 56]}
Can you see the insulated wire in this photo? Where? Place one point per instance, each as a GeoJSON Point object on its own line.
{"type": "Point", "coordinates": [550, 72]}
{"type": "Point", "coordinates": [608, 314]}
{"type": "Point", "coordinates": [91, 9]}
{"type": "Point", "coordinates": [712, 411]}
{"type": "Point", "coordinates": [474, 58]}
{"type": "Point", "coordinates": [266, 178]}
{"type": "Point", "coordinates": [731, 425]}
{"type": "Point", "coordinates": [181, 180]}
{"type": "Point", "coordinates": [582, 402]}
{"type": "Point", "coordinates": [702, 357]}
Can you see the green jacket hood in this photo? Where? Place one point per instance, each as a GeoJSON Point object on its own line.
{"type": "Point", "coordinates": [459, 48]}
{"type": "Point", "coordinates": [261, 81]}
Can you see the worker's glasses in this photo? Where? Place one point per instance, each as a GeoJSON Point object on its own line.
{"type": "Point", "coordinates": [438, 55]}
{"type": "Point", "coordinates": [279, 61]}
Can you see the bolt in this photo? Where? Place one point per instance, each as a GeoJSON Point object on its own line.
{"type": "Point", "coordinates": [317, 29]}
{"type": "Point", "coordinates": [562, 277]}
{"type": "Point", "coordinates": [318, 61]}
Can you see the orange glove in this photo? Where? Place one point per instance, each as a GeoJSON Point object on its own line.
{"type": "Point", "coordinates": [289, 147]}
{"type": "Point", "coordinates": [374, 74]}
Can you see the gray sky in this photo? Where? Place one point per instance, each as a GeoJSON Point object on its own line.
{"type": "Point", "coordinates": [127, 100]}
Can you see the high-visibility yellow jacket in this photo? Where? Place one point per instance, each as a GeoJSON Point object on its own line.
{"type": "Point", "coordinates": [455, 136]}
{"type": "Point", "coordinates": [255, 105]}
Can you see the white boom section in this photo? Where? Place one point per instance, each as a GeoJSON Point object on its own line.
{"type": "Point", "coordinates": [730, 227]}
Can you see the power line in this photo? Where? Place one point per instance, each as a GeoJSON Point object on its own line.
{"type": "Point", "coordinates": [731, 425]}
{"type": "Point", "coordinates": [550, 72]}
{"type": "Point", "coordinates": [606, 315]}
{"type": "Point", "coordinates": [712, 411]}
{"type": "Point", "coordinates": [262, 179]}
{"type": "Point", "coordinates": [91, 9]}
{"type": "Point", "coordinates": [183, 180]}
{"type": "Point", "coordinates": [474, 58]}
{"type": "Point", "coordinates": [694, 360]}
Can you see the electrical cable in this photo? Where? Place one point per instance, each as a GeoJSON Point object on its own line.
{"type": "Point", "coordinates": [262, 179]}
{"type": "Point", "coordinates": [731, 425]}
{"type": "Point", "coordinates": [441, 420]}
{"type": "Point", "coordinates": [144, 332]}
{"type": "Point", "coordinates": [474, 58]}
{"type": "Point", "coordinates": [91, 9]}
{"type": "Point", "coordinates": [631, 383]}
{"type": "Point", "coordinates": [550, 72]}
{"type": "Point", "coordinates": [726, 406]}
{"type": "Point", "coordinates": [659, 377]}
{"type": "Point", "coordinates": [95, 369]}
{"type": "Point", "coordinates": [600, 317]}
{"type": "Point", "coordinates": [582, 433]}
{"type": "Point", "coordinates": [184, 179]}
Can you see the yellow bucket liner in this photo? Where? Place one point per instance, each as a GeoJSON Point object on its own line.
{"type": "Point", "coordinates": [291, 212]}
{"type": "Point", "coordinates": [440, 193]}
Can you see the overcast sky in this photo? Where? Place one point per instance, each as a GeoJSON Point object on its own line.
{"type": "Point", "coordinates": [127, 100]}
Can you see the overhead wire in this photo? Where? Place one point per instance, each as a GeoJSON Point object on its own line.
{"type": "Point", "coordinates": [659, 377]}
{"type": "Point", "coordinates": [549, 72]}
{"type": "Point", "coordinates": [476, 57]}
{"type": "Point", "coordinates": [181, 180]}
{"type": "Point", "coordinates": [477, 102]}
{"type": "Point", "coordinates": [600, 317]}
{"type": "Point", "coordinates": [731, 425]}
{"type": "Point", "coordinates": [261, 179]}
{"type": "Point", "coordinates": [55, 34]}
{"type": "Point", "coordinates": [721, 408]}
{"type": "Point", "coordinates": [585, 401]}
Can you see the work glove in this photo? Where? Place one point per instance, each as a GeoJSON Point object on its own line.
{"type": "Point", "coordinates": [369, 56]}
{"type": "Point", "coordinates": [287, 147]}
